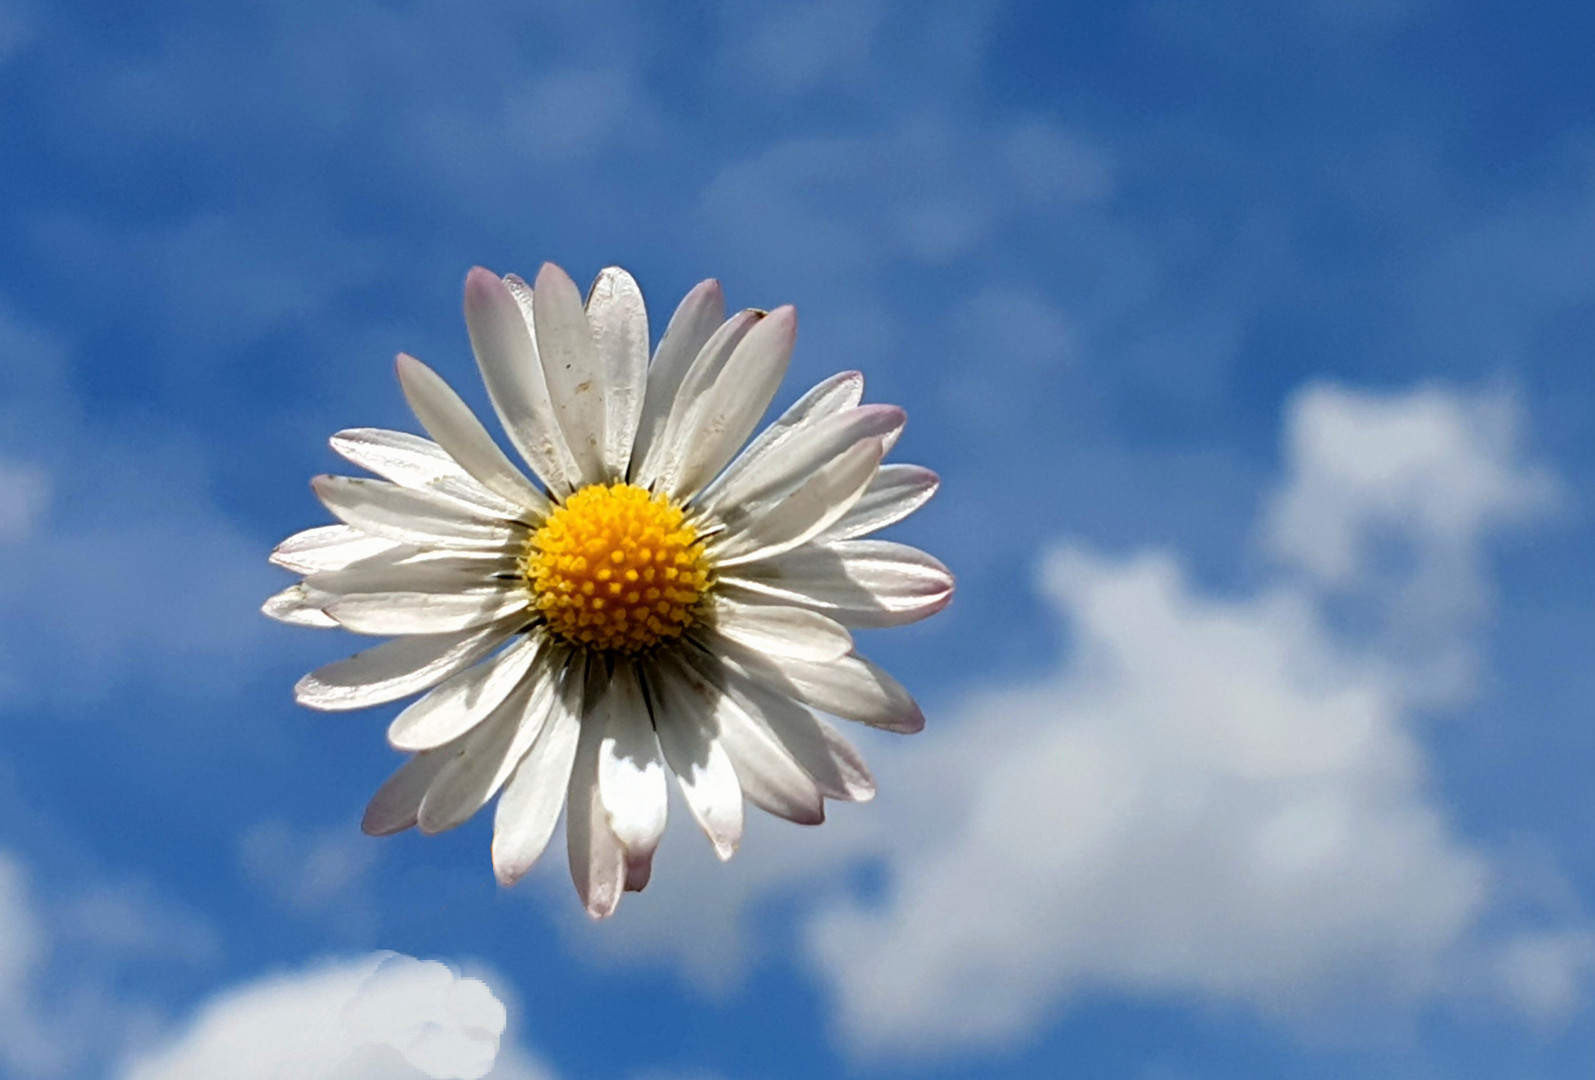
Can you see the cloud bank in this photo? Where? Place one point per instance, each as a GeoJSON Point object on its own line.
{"type": "Point", "coordinates": [1222, 797]}
{"type": "Point", "coordinates": [380, 1017]}
{"type": "Point", "coordinates": [1213, 798]}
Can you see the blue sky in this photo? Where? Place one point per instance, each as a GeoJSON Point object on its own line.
{"type": "Point", "coordinates": [1251, 343]}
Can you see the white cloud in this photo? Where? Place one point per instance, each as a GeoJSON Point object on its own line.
{"type": "Point", "coordinates": [1434, 467]}
{"type": "Point", "coordinates": [286, 264]}
{"type": "Point", "coordinates": [702, 915]}
{"type": "Point", "coordinates": [1206, 800]}
{"type": "Point", "coordinates": [133, 574]}
{"type": "Point", "coordinates": [1013, 325]}
{"type": "Point", "coordinates": [1212, 799]}
{"type": "Point", "coordinates": [158, 588]}
{"type": "Point", "coordinates": [1389, 500]}
{"type": "Point", "coordinates": [381, 1017]}
{"type": "Point", "coordinates": [62, 959]}
{"type": "Point", "coordinates": [871, 50]}
{"type": "Point", "coordinates": [567, 115]}
{"type": "Point", "coordinates": [934, 228]}
{"type": "Point", "coordinates": [1546, 972]}
{"type": "Point", "coordinates": [1499, 289]}
{"type": "Point", "coordinates": [804, 46]}
{"type": "Point", "coordinates": [322, 873]}
{"type": "Point", "coordinates": [479, 110]}
{"type": "Point", "coordinates": [923, 185]}
{"type": "Point", "coordinates": [64, 1009]}
{"type": "Point", "coordinates": [26, 1048]}
{"type": "Point", "coordinates": [130, 921]}
{"type": "Point", "coordinates": [1053, 164]}
{"type": "Point", "coordinates": [32, 379]}
{"type": "Point", "coordinates": [24, 495]}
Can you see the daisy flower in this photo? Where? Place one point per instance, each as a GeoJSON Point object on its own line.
{"type": "Point", "coordinates": [647, 600]}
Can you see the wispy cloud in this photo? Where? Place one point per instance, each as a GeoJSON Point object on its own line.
{"type": "Point", "coordinates": [119, 566]}
{"type": "Point", "coordinates": [65, 956]}
{"type": "Point", "coordinates": [319, 874]}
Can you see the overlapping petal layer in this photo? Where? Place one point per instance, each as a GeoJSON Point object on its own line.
{"type": "Point", "coordinates": [435, 551]}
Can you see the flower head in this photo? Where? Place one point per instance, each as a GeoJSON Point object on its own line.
{"type": "Point", "coordinates": [653, 600]}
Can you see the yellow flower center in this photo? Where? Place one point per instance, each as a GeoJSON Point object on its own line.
{"type": "Point", "coordinates": [614, 568]}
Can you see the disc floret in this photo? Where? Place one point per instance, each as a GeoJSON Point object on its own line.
{"type": "Point", "coordinates": [616, 569]}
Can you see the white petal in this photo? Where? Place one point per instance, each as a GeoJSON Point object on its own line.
{"type": "Point", "coordinates": [769, 777]}
{"type": "Point", "coordinates": [859, 583]}
{"type": "Point", "coordinates": [664, 455]}
{"type": "Point", "coordinates": [398, 668]}
{"type": "Point", "coordinates": [839, 393]}
{"type": "Point", "coordinates": [597, 859]}
{"type": "Point", "coordinates": [328, 547]}
{"type": "Point", "coordinates": [837, 768]}
{"type": "Point", "coordinates": [851, 688]}
{"type": "Point", "coordinates": [426, 612]}
{"type": "Point", "coordinates": [397, 802]}
{"type": "Point", "coordinates": [685, 716]}
{"type": "Point", "coordinates": [809, 510]}
{"type": "Point", "coordinates": [799, 457]}
{"type": "Point", "coordinates": [299, 605]}
{"type": "Point", "coordinates": [896, 492]}
{"type": "Point", "coordinates": [411, 517]}
{"type": "Point", "coordinates": [467, 779]}
{"type": "Point", "coordinates": [726, 408]}
{"type": "Point", "coordinates": [452, 423]}
{"type": "Point", "coordinates": [631, 768]}
{"type": "Point", "coordinates": [421, 464]}
{"type": "Point", "coordinates": [785, 631]}
{"type": "Point", "coordinates": [848, 777]}
{"type": "Point", "coordinates": [768, 773]}
{"type": "Point", "coordinates": [484, 759]}
{"type": "Point", "coordinates": [465, 700]}
{"type": "Point", "coordinates": [530, 804]}
{"type": "Point", "coordinates": [619, 322]}
{"type": "Point", "coordinates": [576, 380]}
{"type": "Point", "coordinates": [408, 570]}
{"type": "Point", "coordinates": [700, 312]}
{"type": "Point", "coordinates": [507, 356]}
